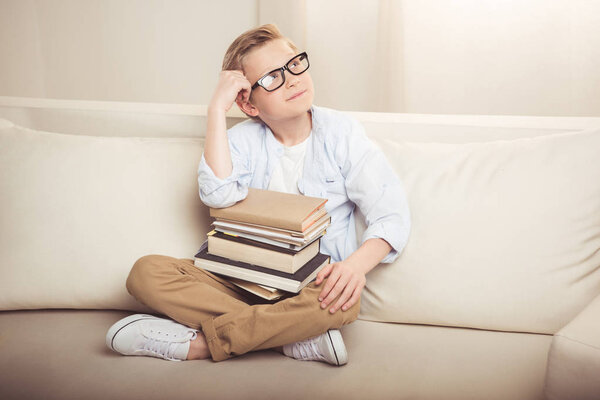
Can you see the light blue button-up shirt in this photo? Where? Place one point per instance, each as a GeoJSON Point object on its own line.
{"type": "Point", "coordinates": [341, 165]}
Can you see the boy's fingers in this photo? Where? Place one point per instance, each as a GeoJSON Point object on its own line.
{"type": "Point", "coordinates": [344, 296]}
{"type": "Point", "coordinates": [245, 87]}
{"type": "Point", "coordinates": [337, 289]}
{"type": "Point", "coordinates": [242, 94]}
{"type": "Point", "coordinates": [333, 276]}
{"type": "Point", "coordinates": [331, 281]}
{"type": "Point", "coordinates": [353, 299]}
{"type": "Point", "coordinates": [236, 72]}
{"type": "Point", "coordinates": [245, 83]}
{"type": "Point", "coordinates": [323, 274]}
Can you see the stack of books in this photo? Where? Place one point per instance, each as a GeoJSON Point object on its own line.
{"type": "Point", "coordinates": [268, 243]}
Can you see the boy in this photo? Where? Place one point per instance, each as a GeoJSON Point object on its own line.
{"type": "Point", "coordinates": [290, 145]}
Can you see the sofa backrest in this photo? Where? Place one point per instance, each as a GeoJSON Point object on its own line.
{"type": "Point", "coordinates": [98, 118]}
{"type": "Point", "coordinates": [498, 241]}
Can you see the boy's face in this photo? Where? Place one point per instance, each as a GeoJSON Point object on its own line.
{"type": "Point", "coordinates": [284, 102]}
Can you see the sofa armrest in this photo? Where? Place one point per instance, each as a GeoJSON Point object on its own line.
{"type": "Point", "coordinates": [573, 370]}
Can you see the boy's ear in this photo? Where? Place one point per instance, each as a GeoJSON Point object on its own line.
{"type": "Point", "coordinates": [247, 107]}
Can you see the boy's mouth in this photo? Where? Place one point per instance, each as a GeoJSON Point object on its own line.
{"type": "Point", "coordinates": [296, 95]}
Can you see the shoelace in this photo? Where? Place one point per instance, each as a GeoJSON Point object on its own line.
{"type": "Point", "coordinates": [164, 348]}
{"type": "Point", "coordinates": [307, 350]}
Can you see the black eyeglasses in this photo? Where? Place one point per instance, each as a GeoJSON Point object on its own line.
{"type": "Point", "coordinates": [276, 78]}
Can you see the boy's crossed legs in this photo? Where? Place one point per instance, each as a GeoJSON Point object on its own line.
{"type": "Point", "coordinates": [231, 324]}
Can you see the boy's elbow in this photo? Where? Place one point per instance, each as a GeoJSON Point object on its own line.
{"type": "Point", "coordinates": [223, 197]}
{"type": "Point", "coordinates": [212, 202]}
{"type": "Point", "coordinates": [221, 193]}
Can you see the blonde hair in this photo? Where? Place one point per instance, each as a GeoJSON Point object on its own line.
{"type": "Point", "coordinates": [249, 40]}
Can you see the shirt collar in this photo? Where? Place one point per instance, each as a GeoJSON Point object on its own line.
{"type": "Point", "coordinates": [317, 131]}
{"type": "Point", "coordinates": [317, 128]}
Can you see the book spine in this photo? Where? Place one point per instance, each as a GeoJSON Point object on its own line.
{"type": "Point", "coordinates": [258, 231]}
{"type": "Point", "coordinates": [283, 245]}
{"type": "Point", "coordinates": [287, 285]}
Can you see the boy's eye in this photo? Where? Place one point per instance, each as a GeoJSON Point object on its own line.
{"type": "Point", "coordinates": [269, 79]}
{"type": "Point", "coordinates": [296, 64]}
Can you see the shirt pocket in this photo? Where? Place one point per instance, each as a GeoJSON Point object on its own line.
{"type": "Point", "coordinates": [334, 184]}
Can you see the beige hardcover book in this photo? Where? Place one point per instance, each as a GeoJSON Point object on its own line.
{"type": "Point", "coordinates": [275, 209]}
{"type": "Point", "coordinates": [262, 254]}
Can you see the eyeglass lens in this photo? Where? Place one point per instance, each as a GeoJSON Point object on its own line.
{"type": "Point", "coordinates": [275, 79]}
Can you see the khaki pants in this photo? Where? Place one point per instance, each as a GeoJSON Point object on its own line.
{"type": "Point", "coordinates": [231, 321]}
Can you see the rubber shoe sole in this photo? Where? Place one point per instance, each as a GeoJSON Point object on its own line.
{"type": "Point", "coordinates": [119, 325]}
{"type": "Point", "coordinates": [338, 346]}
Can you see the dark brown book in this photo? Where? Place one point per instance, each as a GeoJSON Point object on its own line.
{"type": "Point", "coordinates": [263, 276]}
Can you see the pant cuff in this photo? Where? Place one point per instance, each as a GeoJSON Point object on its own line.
{"type": "Point", "coordinates": [214, 346]}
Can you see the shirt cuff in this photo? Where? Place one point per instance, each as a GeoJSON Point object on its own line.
{"type": "Point", "coordinates": [216, 192]}
{"type": "Point", "coordinates": [393, 233]}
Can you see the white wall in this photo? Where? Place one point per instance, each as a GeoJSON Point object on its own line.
{"type": "Point", "coordinates": [121, 50]}
{"type": "Point", "coordinates": [527, 57]}
{"type": "Point", "coordinates": [502, 56]}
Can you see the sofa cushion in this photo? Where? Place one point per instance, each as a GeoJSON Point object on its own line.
{"type": "Point", "coordinates": [69, 360]}
{"type": "Point", "coordinates": [505, 234]}
{"type": "Point", "coordinates": [77, 211]}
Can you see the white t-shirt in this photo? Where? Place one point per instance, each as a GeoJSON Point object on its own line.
{"type": "Point", "coordinates": [286, 174]}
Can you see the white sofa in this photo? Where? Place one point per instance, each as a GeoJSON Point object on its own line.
{"type": "Point", "coordinates": [496, 296]}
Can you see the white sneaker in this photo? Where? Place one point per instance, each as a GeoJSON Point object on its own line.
{"type": "Point", "coordinates": [328, 347]}
{"type": "Point", "coordinates": [147, 335]}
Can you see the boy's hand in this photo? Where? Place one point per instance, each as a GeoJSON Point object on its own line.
{"type": "Point", "coordinates": [232, 86]}
{"type": "Point", "coordinates": [344, 278]}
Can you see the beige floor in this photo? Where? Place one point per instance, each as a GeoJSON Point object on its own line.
{"type": "Point", "coordinates": [61, 355]}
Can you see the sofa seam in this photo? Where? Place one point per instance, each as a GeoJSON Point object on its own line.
{"type": "Point", "coordinates": [578, 341]}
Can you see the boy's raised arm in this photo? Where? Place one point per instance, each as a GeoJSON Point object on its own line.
{"type": "Point", "coordinates": [223, 172]}
{"type": "Point", "coordinates": [231, 86]}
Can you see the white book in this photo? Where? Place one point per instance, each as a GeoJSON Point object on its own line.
{"type": "Point", "coordinates": [233, 228]}
{"type": "Point", "coordinates": [264, 239]}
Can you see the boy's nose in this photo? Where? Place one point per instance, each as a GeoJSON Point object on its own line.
{"type": "Point", "coordinates": [291, 80]}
